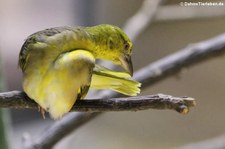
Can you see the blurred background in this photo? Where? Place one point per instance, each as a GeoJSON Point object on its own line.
{"type": "Point", "coordinates": [135, 130]}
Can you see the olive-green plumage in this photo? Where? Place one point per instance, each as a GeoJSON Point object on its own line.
{"type": "Point", "coordinates": [58, 64]}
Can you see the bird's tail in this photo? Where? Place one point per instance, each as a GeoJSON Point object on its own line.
{"type": "Point", "coordinates": [121, 82]}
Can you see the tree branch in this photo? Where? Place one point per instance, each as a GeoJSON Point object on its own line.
{"type": "Point", "coordinates": [18, 99]}
{"type": "Point", "coordinates": [58, 130]}
{"type": "Point", "coordinates": [142, 18]}
{"type": "Point", "coordinates": [189, 56]}
{"type": "Point", "coordinates": [158, 101]}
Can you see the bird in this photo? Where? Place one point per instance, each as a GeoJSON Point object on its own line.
{"type": "Point", "coordinates": [59, 65]}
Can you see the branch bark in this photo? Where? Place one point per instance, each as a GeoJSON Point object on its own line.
{"type": "Point", "coordinates": [18, 99]}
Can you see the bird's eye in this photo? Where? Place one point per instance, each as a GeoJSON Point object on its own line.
{"type": "Point", "coordinates": [126, 46]}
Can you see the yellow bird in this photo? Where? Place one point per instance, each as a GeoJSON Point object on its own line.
{"type": "Point", "coordinates": [58, 65]}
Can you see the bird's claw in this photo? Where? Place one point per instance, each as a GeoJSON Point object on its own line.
{"type": "Point", "coordinates": [40, 109]}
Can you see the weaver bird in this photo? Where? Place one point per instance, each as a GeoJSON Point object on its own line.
{"type": "Point", "coordinates": [58, 65]}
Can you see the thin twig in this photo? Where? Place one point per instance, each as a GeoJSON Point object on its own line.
{"type": "Point", "coordinates": [48, 139]}
{"type": "Point", "coordinates": [171, 64]}
{"type": "Point", "coordinates": [141, 20]}
{"type": "Point", "coordinates": [18, 99]}
{"type": "Point", "coordinates": [148, 75]}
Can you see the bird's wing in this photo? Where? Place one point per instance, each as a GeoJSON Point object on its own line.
{"type": "Point", "coordinates": [39, 41]}
{"type": "Point", "coordinates": [67, 79]}
{"type": "Point", "coordinates": [121, 82]}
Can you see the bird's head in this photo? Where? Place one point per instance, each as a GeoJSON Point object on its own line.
{"type": "Point", "coordinates": [114, 46]}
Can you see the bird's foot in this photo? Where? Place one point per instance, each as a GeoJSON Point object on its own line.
{"type": "Point", "coordinates": [40, 109]}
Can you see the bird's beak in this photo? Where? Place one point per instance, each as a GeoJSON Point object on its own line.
{"type": "Point", "coordinates": [127, 64]}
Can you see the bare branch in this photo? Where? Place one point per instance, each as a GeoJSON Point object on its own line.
{"type": "Point", "coordinates": [17, 99]}
{"type": "Point", "coordinates": [189, 56]}
{"type": "Point", "coordinates": [139, 21]}
{"type": "Point", "coordinates": [158, 101]}
{"type": "Point", "coordinates": [58, 130]}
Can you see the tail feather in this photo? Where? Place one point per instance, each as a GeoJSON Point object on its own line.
{"type": "Point", "coordinates": [118, 81]}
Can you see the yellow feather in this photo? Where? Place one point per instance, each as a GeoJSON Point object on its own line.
{"type": "Point", "coordinates": [121, 82]}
